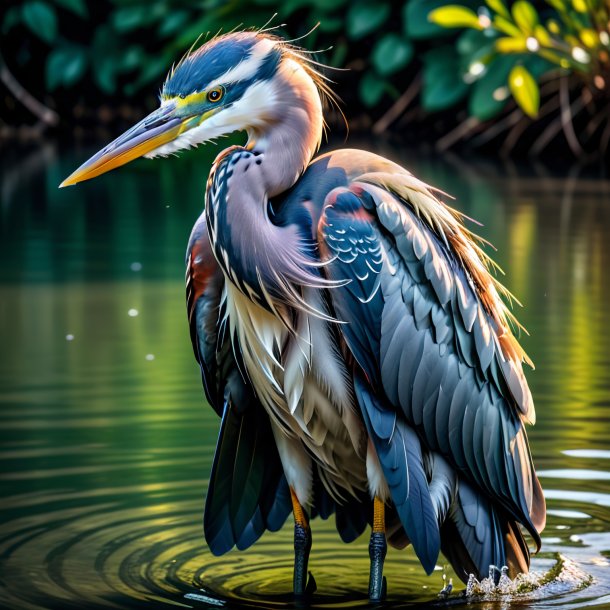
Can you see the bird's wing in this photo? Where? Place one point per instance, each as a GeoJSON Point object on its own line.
{"type": "Point", "coordinates": [425, 324]}
{"type": "Point", "coordinates": [247, 493]}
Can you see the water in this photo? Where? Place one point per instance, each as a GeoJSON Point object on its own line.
{"type": "Point", "coordinates": [106, 442]}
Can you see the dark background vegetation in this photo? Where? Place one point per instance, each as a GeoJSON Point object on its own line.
{"type": "Point", "coordinates": [516, 78]}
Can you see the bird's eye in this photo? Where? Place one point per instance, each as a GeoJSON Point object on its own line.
{"type": "Point", "coordinates": [215, 95]}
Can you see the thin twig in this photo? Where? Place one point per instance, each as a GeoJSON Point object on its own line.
{"type": "Point", "coordinates": [510, 140]}
{"type": "Point", "coordinates": [454, 135]}
{"type": "Point", "coordinates": [553, 129]}
{"type": "Point", "coordinates": [399, 106]}
{"type": "Point", "coordinates": [567, 116]}
{"type": "Point", "coordinates": [46, 115]}
{"type": "Point", "coordinates": [603, 143]}
{"type": "Point", "coordinates": [498, 128]}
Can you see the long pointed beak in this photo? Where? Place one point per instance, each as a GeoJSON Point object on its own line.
{"type": "Point", "coordinates": [158, 128]}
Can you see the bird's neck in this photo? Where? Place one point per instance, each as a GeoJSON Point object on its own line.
{"type": "Point", "coordinates": [290, 136]}
{"type": "Point", "coordinates": [259, 256]}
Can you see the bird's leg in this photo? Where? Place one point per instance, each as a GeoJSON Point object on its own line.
{"type": "Point", "coordinates": [302, 546]}
{"type": "Point", "coordinates": [377, 552]}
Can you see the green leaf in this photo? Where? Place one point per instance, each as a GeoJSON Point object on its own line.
{"type": "Point", "coordinates": [78, 7]}
{"type": "Point", "coordinates": [525, 90]}
{"type": "Point", "coordinates": [391, 54]}
{"type": "Point", "coordinates": [470, 42]}
{"type": "Point", "coordinates": [525, 16]}
{"type": "Point", "coordinates": [105, 74]}
{"type": "Point", "coordinates": [416, 23]}
{"type": "Point", "coordinates": [366, 17]}
{"type": "Point", "coordinates": [65, 66]}
{"type": "Point", "coordinates": [11, 18]}
{"type": "Point", "coordinates": [134, 17]}
{"type": "Point", "coordinates": [371, 88]}
{"type": "Point", "coordinates": [455, 16]}
{"type": "Point", "coordinates": [41, 19]}
{"type": "Point", "coordinates": [490, 92]}
{"type": "Point", "coordinates": [443, 85]}
{"type": "Point", "coordinates": [173, 23]}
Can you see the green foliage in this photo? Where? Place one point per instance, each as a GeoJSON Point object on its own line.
{"type": "Point", "coordinates": [366, 17]}
{"type": "Point", "coordinates": [474, 53]}
{"type": "Point", "coordinates": [574, 39]}
{"type": "Point", "coordinates": [391, 54]}
{"type": "Point", "coordinates": [41, 19]}
{"type": "Point", "coordinates": [443, 83]}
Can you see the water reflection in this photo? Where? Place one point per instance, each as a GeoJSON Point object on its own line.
{"type": "Point", "coordinates": [105, 450]}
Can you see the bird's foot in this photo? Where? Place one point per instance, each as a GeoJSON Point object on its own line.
{"type": "Point", "coordinates": [302, 585]}
{"type": "Point", "coordinates": [377, 552]}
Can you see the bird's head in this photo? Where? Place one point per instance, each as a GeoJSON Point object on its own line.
{"type": "Point", "coordinates": [234, 82]}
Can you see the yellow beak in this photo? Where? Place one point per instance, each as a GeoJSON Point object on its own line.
{"type": "Point", "coordinates": [158, 128]}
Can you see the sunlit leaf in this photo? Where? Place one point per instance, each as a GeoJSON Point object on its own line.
{"type": "Point", "coordinates": [542, 36]}
{"type": "Point", "coordinates": [78, 7]}
{"type": "Point", "coordinates": [511, 45]}
{"type": "Point", "coordinates": [366, 17]}
{"type": "Point", "coordinates": [553, 26]}
{"type": "Point", "coordinates": [499, 7]}
{"type": "Point", "coordinates": [455, 16]}
{"type": "Point", "coordinates": [417, 26]}
{"type": "Point", "coordinates": [371, 88]}
{"type": "Point", "coordinates": [525, 16]}
{"type": "Point", "coordinates": [41, 19]}
{"type": "Point", "coordinates": [391, 53]}
{"type": "Point", "coordinates": [525, 90]}
{"type": "Point", "coordinates": [580, 6]}
{"type": "Point", "coordinates": [507, 27]}
{"type": "Point", "coordinates": [590, 38]}
{"type": "Point", "coordinates": [65, 66]}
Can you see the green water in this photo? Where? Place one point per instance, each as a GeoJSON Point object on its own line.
{"type": "Point", "coordinates": [106, 441]}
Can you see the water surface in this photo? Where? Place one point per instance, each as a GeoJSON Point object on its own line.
{"type": "Point", "coordinates": [106, 441]}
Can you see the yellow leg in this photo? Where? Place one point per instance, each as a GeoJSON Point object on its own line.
{"type": "Point", "coordinates": [377, 552]}
{"type": "Point", "coordinates": [378, 515]}
{"type": "Point", "coordinates": [302, 546]}
{"type": "Point", "coordinates": [297, 510]}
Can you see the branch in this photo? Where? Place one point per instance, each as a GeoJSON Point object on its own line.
{"type": "Point", "coordinates": [399, 106]}
{"type": "Point", "coordinates": [448, 140]}
{"type": "Point", "coordinates": [566, 117]}
{"type": "Point", "coordinates": [46, 115]}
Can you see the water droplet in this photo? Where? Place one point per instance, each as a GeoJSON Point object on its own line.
{"type": "Point", "coordinates": [136, 266]}
{"type": "Point", "coordinates": [150, 356]}
{"type": "Point", "coordinates": [133, 313]}
{"type": "Point", "coordinates": [69, 337]}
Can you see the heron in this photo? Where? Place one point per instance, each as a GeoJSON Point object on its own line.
{"type": "Point", "coordinates": [351, 331]}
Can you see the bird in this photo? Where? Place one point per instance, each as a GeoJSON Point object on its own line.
{"type": "Point", "coordinates": [350, 329]}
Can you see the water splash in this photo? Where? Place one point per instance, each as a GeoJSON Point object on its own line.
{"type": "Point", "coordinates": [565, 576]}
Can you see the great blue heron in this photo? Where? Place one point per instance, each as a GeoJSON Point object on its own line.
{"type": "Point", "coordinates": [348, 328]}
